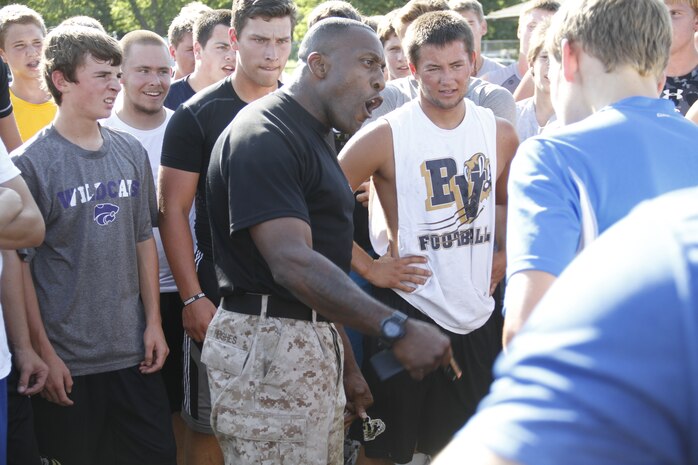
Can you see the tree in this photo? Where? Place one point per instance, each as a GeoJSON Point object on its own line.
{"type": "Point", "coordinates": [117, 16]}
{"type": "Point", "coordinates": [502, 29]}
{"type": "Point", "coordinates": [154, 15]}
{"type": "Point", "coordinates": [55, 11]}
{"type": "Point", "coordinates": [121, 16]}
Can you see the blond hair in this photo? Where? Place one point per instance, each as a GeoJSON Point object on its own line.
{"type": "Point", "coordinates": [183, 23]}
{"type": "Point", "coordinates": [413, 10]}
{"type": "Point", "coordinates": [18, 14]}
{"type": "Point", "coordinates": [546, 5]}
{"type": "Point", "coordinates": [464, 6]}
{"type": "Point", "coordinates": [385, 27]}
{"type": "Point", "coordinates": [537, 42]}
{"type": "Point", "coordinates": [616, 32]}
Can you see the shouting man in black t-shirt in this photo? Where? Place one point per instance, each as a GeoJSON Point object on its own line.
{"type": "Point", "coordinates": [281, 223]}
{"type": "Point", "coordinates": [261, 35]}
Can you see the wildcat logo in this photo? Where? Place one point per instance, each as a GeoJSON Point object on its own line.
{"type": "Point", "coordinates": [445, 187]}
{"type": "Point", "coordinates": [105, 213]}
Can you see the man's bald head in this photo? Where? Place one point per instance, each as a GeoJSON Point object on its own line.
{"type": "Point", "coordinates": [326, 35]}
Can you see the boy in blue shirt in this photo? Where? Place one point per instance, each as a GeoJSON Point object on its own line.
{"type": "Point", "coordinates": [567, 187]}
{"type": "Point", "coordinates": [606, 370]}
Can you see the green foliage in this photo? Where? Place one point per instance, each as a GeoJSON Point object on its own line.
{"type": "Point", "coordinates": [154, 15]}
{"type": "Point", "coordinates": [122, 16]}
{"type": "Point", "coordinates": [55, 11]}
{"type": "Point", "coordinates": [304, 8]}
{"type": "Point", "coordinates": [499, 29]}
{"type": "Point", "coordinates": [373, 7]}
{"type": "Point", "coordinates": [117, 16]}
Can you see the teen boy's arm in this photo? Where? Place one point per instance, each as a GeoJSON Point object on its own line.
{"type": "Point", "coordinates": [544, 228]}
{"type": "Point", "coordinates": [177, 189]}
{"type": "Point", "coordinates": [10, 206]}
{"type": "Point", "coordinates": [21, 224]}
{"type": "Point", "coordinates": [9, 134]}
{"type": "Point", "coordinates": [146, 218]}
{"type": "Point", "coordinates": [507, 142]}
{"type": "Point", "coordinates": [32, 370]}
{"type": "Point", "coordinates": [370, 151]}
{"type": "Point", "coordinates": [59, 382]}
{"type": "Point", "coordinates": [156, 349]}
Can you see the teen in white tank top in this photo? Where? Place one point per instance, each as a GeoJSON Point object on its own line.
{"type": "Point", "coordinates": [445, 183]}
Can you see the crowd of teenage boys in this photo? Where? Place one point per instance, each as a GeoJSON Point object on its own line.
{"type": "Point", "coordinates": [187, 279]}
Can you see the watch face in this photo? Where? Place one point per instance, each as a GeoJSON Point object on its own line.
{"type": "Point", "coordinates": [392, 329]}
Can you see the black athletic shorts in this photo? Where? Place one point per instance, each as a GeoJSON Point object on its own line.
{"type": "Point", "coordinates": [118, 418]}
{"type": "Point", "coordinates": [22, 448]}
{"type": "Point", "coordinates": [424, 415]}
{"type": "Point", "coordinates": [172, 371]}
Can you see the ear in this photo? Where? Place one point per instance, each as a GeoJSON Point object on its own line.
{"type": "Point", "coordinates": [570, 60]}
{"type": "Point", "coordinates": [59, 81]}
{"type": "Point", "coordinates": [172, 51]}
{"type": "Point", "coordinates": [318, 65]}
{"type": "Point", "coordinates": [413, 69]}
{"type": "Point", "coordinates": [660, 84]}
{"type": "Point", "coordinates": [197, 51]}
{"type": "Point", "coordinates": [232, 35]}
{"type": "Point", "coordinates": [483, 25]}
{"type": "Point", "coordinates": [3, 56]}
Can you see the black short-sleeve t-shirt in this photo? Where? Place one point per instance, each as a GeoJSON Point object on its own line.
{"type": "Point", "coordinates": [189, 139]}
{"type": "Point", "coordinates": [5, 103]}
{"type": "Point", "coordinates": [275, 160]}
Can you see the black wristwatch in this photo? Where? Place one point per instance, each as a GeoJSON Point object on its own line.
{"type": "Point", "coordinates": [393, 328]}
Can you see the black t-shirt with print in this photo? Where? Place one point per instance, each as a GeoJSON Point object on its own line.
{"type": "Point", "coordinates": [682, 90]}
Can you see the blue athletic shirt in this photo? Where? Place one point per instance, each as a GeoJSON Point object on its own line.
{"type": "Point", "coordinates": [567, 187]}
{"type": "Point", "coordinates": [606, 370]}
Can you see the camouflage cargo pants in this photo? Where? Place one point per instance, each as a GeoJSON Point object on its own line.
{"type": "Point", "coordinates": [277, 395]}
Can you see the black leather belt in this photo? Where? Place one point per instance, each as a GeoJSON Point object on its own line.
{"type": "Point", "coordinates": [251, 304]}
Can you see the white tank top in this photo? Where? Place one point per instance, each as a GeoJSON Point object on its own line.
{"type": "Point", "coordinates": [445, 182]}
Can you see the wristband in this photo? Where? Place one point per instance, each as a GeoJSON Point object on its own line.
{"type": "Point", "coordinates": [194, 298]}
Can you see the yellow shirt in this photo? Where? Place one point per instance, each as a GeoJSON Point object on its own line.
{"type": "Point", "coordinates": [31, 117]}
